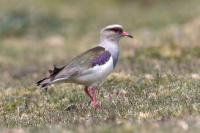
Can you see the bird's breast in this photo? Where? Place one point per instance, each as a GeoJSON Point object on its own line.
{"type": "Point", "coordinates": [96, 73]}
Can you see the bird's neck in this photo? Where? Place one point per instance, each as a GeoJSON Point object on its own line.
{"type": "Point", "coordinates": [112, 47]}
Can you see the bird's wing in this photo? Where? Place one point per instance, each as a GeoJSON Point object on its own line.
{"type": "Point", "coordinates": [95, 56]}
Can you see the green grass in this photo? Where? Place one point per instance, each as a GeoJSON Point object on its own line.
{"type": "Point", "coordinates": [125, 103]}
{"type": "Point", "coordinates": [155, 87]}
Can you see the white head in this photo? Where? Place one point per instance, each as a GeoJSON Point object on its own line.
{"type": "Point", "coordinates": [113, 33]}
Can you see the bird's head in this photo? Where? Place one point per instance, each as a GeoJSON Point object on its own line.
{"type": "Point", "coordinates": [114, 33]}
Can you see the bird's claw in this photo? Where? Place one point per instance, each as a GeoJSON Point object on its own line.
{"type": "Point", "coordinates": [95, 105]}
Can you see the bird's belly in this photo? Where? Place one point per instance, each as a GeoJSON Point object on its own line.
{"type": "Point", "coordinates": [96, 74]}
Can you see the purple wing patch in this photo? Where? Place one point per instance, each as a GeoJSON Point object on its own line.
{"type": "Point", "coordinates": [101, 59]}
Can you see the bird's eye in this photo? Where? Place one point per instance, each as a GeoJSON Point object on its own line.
{"type": "Point", "coordinates": [117, 30]}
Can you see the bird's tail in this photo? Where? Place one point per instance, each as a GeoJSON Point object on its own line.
{"type": "Point", "coordinates": [44, 83]}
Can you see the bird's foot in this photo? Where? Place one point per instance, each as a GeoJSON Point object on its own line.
{"type": "Point", "coordinates": [95, 105]}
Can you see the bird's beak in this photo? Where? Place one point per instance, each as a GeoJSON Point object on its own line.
{"type": "Point", "coordinates": [127, 34]}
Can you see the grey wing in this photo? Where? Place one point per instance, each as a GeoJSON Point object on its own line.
{"type": "Point", "coordinates": [79, 64]}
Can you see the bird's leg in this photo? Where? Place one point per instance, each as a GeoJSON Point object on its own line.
{"type": "Point", "coordinates": [88, 92]}
{"type": "Point", "coordinates": [94, 99]}
{"type": "Point", "coordinates": [91, 92]}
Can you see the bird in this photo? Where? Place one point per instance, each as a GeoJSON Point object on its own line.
{"type": "Point", "coordinates": [92, 66]}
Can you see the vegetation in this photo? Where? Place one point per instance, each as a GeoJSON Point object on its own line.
{"type": "Point", "coordinates": [155, 87]}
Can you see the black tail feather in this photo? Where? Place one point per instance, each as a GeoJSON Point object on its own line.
{"type": "Point", "coordinates": [40, 81]}
{"type": "Point", "coordinates": [45, 82]}
{"type": "Point", "coordinates": [55, 71]}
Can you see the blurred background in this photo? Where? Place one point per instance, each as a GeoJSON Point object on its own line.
{"type": "Point", "coordinates": [35, 34]}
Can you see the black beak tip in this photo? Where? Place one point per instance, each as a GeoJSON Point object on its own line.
{"type": "Point", "coordinates": [130, 36]}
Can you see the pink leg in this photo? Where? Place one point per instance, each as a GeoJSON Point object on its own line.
{"type": "Point", "coordinates": [94, 99]}
{"type": "Point", "coordinates": [87, 92]}
{"type": "Point", "coordinates": [91, 92]}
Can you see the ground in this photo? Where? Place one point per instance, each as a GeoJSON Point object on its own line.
{"type": "Point", "coordinates": [155, 87]}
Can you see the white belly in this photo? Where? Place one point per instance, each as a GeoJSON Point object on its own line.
{"type": "Point", "coordinates": [96, 74]}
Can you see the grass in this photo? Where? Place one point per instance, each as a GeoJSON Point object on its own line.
{"type": "Point", "coordinates": [125, 101]}
{"type": "Point", "coordinates": [155, 87]}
